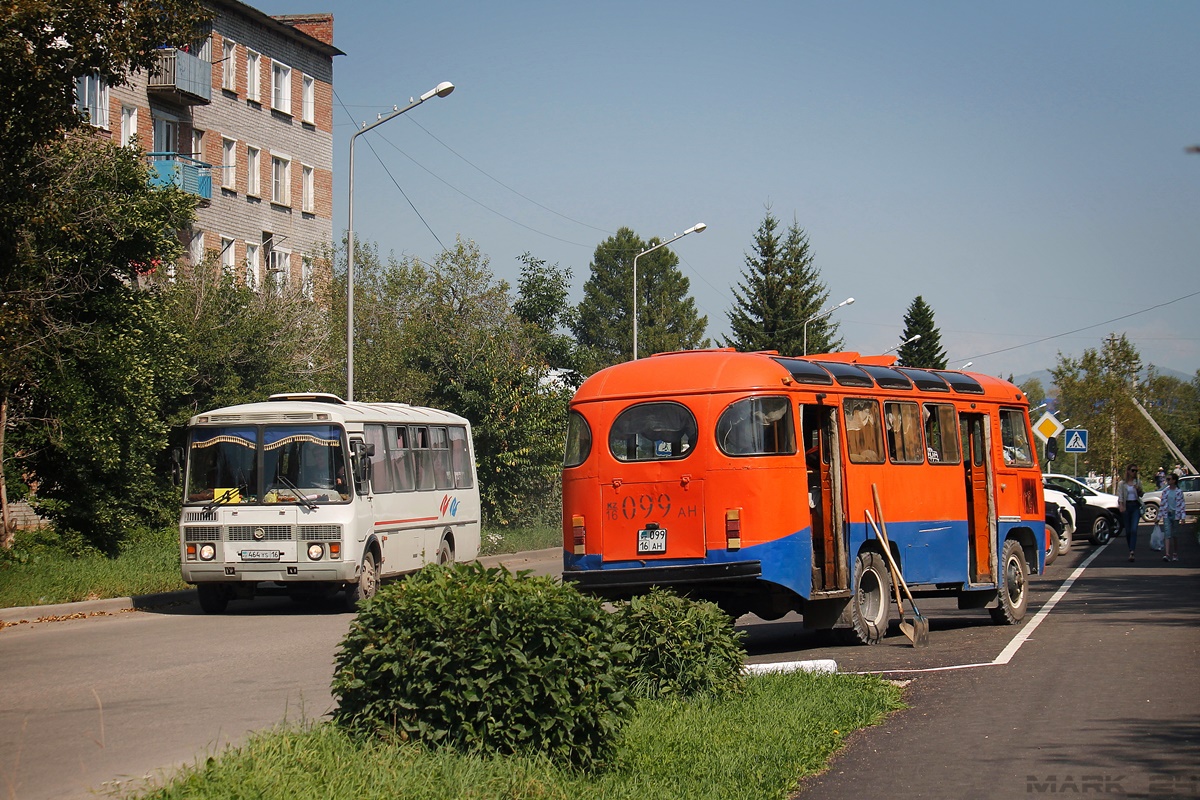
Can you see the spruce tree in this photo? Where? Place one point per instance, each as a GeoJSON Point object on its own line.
{"type": "Point", "coordinates": [927, 351]}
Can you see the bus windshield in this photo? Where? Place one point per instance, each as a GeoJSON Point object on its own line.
{"type": "Point", "coordinates": [268, 464]}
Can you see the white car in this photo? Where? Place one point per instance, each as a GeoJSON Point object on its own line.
{"type": "Point", "coordinates": [1190, 484]}
{"type": "Point", "coordinates": [1066, 517]}
{"type": "Point", "coordinates": [1103, 508]}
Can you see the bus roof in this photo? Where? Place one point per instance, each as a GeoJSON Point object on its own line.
{"type": "Point", "coordinates": [727, 370]}
{"type": "Point", "coordinates": [324, 408]}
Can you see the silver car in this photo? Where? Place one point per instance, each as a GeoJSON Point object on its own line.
{"type": "Point", "coordinates": [1190, 484]}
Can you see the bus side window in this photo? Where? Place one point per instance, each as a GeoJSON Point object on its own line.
{"type": "Point", "coordinates": [442, 476]}
{"type": "Point", "coordinates": [1014, 438]}
{"type": "Point", "coordinates": [422, 456]}
{"type": "Point", "coordinates": [464, 476]}
{"type": "Point", "coordinates": [941, 433]}
{"type": "Point", "coordinates": [401, 457]}
{"type": "Point", "coordinates": [903, 433]}
{"type": "Point", "coordinates": [864, 440]}
{"type": "Point", "coordinates": [381, 475]}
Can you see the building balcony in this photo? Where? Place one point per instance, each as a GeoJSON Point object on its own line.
{"type": "Point", "coordinates": [182, 172]}
{"type": "Point", "coordinates": [180, 77]}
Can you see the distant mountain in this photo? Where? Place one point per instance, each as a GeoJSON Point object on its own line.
{"type": "Point", "coordinates": [1047, 379]}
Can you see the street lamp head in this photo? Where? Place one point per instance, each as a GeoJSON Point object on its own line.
{"type": "Point", "coordinates": [849, 301]}
{"type": "Point", "coordinates": [441, 90]}
{"type": "Point", "coordinates": [697, 228]}
{"type": "Point", "coordinates": [915, 338]}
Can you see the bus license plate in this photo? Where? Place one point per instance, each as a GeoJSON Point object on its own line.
{"type": "Point", "coordinates": [652, 540]}
{"type": "Point", "coordinates": [260, 555]}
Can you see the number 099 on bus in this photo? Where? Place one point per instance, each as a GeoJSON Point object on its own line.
{"type": "Point", "coordinates": [652, 540]}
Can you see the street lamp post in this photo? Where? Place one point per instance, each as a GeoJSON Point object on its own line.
{"type": "Point", "coordinates": [441, 90]}
{"type": "Point", "coordinates": [822, 315]}
{"type": "Point", "coordinates": [915, 338]}
{"type": "Point", "coordinates": [697, 228]}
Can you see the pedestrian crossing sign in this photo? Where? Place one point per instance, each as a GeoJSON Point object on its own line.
{"type": "Point", "coordinates": [1076, 441]}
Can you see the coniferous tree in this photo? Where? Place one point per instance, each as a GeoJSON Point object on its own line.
{"type": "Point", "coordinates": [780, 289]}
{"type": "Point", "coordinates": [927, 351]}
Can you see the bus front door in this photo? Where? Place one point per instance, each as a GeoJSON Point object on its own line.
{"type": "Point", "coordinates": [829, 573]}
{"type": "Point", "coordinates": [981, 514]}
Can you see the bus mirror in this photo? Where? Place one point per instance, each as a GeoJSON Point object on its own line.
{"type": "Point", "coordinates": [1052, 448]}
{"type": "Point", "coordinates": [176, 466]}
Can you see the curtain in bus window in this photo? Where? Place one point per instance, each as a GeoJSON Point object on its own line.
{"type": "Point", "coordinates": [422, 456]}
{"type": "Point", "coordinates": [442, 475]}
{"type": "Point", "coordinates": [903, 421]}
{"type": "Point", "coordinates": [757, 426]}
{"type": "Point", "coordinates": [381, 471]}
{"type": "Point", "coordinates": [864, 439]}
{"type": "Point", "coordinates": [307, 456]}
{"type": "Point", "coordinates": [221, 459]}
{"type": "Point", "coordinates": [653, 432]}
{"type": "Point", "coordinates": [941, 433]}
{"type": "Point", "coordinates": [464, 475]}
{"type": "Point", "coordinates": [1014, 438]}
{"type": "Point", "coordinates": [400, 458]}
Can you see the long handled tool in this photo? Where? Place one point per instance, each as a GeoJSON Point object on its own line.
{"type": "Point", "coordinates": [917, 630]}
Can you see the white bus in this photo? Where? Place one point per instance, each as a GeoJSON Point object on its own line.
{"type": "Point", "coordinates": [307, 494]}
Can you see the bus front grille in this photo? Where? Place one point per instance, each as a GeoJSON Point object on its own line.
{"type": "Point", "coordinates": [270, 533]}
{"type": "Point", "coordinates": [321, 533]}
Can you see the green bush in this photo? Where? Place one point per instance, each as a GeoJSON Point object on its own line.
{"type": "Point", "coordinates": [681, 647]}
{"type": "Point", "coordinates": [485, 661]}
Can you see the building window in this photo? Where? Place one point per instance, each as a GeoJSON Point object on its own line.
{"type": "Point", "coordinates": [253, 76]}
{"type": "Point", "coordinates": [281, 87]}
{"type": "Point", "coordinates": [196, 248]}
{"type": "Point", "coordinates": [228, 256]}
{"type": "Point", "coordinates": [252, 265]}
{"type": "Point", "coordinates": [308, 104]}
{"type": "Point", "coordinates": [129, 120]}
{"type": "Point", "coordinates": [252, 171]}
{"type": "Point", "coordinates": [91, 100]}
{"type": "Point", "coordinates": [306, 277]}
{"type": "Point", "coordinates": [229, 164]}
{"type": "Point", "coordinates": [281, 181]}
{"type": "Point", "coordinates": [281, 270]}
{"type": "Point", "coordinates": [306, 188]}
{"type": "Point", "coordinates": [228, 66]}
{"type": "Point", "coordinates": [166, 135]}
{"type": "Point", "coordinates": [197, 144]}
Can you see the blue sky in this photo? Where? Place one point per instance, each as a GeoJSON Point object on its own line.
{"type": "Point", "coordinates": [1020, 165]}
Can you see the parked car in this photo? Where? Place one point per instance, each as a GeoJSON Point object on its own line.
{"type": "Point", "coordinates": [1060, 515]}
{"type": "Point", "coordinates": [1191, 499]}
{"type": "Point", "coordinates": [1097, 516]}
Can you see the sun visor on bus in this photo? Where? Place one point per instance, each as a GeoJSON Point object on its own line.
{"type": "Point", "coordinates": [848, 374]}
{"type": "Point", "coordinates": [963, 384]}
{"type": "Point", "coordinates": [925, 381]}
{"type": "Point", "coordinates": [886, 377]}
{"type": "Point", "coordinates": [806, 371]}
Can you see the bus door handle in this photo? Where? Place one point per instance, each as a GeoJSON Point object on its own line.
{"type": "Point", "coordinates": [616, 483]}
{"type": "Point", "coordinates": [684, 480]}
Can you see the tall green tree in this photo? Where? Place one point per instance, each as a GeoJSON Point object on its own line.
{"type": "Point", "coordinates": [542, 306]}
{"type": "Point", "coordinates": [927, 351]}
{"type": "Point", "coordinates": [667, 316]}
{"type": "Point", "coordinates": [780, 289]}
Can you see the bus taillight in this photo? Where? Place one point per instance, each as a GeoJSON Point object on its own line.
{"type": "Point", "coordinates": [578, 533]}
{"type": "Point", "coordinates": [733, 528]}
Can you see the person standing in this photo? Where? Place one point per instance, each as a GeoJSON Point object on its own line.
{"type": "Point", "coordinates": [1129, 501]}
{"type": "Point", "coordinates": [1172, 516]}
{"type": "Point", "coordinates": [1160, 479]}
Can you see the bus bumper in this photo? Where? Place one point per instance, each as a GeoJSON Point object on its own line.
{"type": "Point", "coordinates": [618, 583]}
{"type": "Point", "coordinates": [281, 573]}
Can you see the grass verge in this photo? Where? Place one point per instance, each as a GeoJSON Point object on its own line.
{"type": "Point", "coordinates": [758, 744]}
{"type": "Point", "coordinates": [36, 573]}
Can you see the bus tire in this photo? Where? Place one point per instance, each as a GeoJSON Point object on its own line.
{"type": "Point", "coordinates": [366, 585]}
{"type": "Point", "coordinates": [871, 606]}
{"type": "Point", "coordinates": [445, 553]}
{"type": "Point", "coordinates": [1014, 587]}
{"type": "Point", "coordinates": [213, 598]}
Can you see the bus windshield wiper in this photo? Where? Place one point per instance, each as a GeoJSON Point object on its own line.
{"type": "Point", "coordinates": [300, 496]}
{"type": "Point", "coordinates": [221, 499]}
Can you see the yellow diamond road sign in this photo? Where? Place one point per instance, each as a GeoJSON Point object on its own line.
{"type": "Point", "coordinates": [1048, 427]}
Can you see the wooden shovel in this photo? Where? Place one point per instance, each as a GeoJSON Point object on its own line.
{"type": "Point", "coordinates": [917, 630]}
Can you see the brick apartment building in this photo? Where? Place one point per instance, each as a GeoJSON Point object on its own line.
{"type": "Point", "coordinates": [243, 118]}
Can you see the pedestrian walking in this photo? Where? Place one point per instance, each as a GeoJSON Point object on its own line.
{"type": "Point", "coordinates": [1160, 479]}
{"type": "Point", "coordinates": [1129, 501]}
{"type": "Point", "coordinates": [1172, 512]}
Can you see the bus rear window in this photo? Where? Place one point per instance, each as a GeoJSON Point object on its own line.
{"type": "Point", "coordinates": [579, 440]}
{"type": "Point", "coordinates": [757, 426]}
{"type": "Point", "coordinates": [653, 432]}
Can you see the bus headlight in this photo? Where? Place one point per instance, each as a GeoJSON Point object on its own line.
{"type": "Point", "coordinates": [207, 552]}
{"type": "Point", "coordinates": [315, 551]}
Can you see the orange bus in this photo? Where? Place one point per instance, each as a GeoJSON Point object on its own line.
{"type": "Point", "coordinates": [747, 479]}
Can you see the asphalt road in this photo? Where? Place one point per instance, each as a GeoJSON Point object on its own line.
{"type": "Point", "coordinates": [1098, 694]}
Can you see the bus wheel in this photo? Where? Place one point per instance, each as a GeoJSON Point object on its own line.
{"type": "Point", "coordinates": [445, 553]}
{"type": "Point", "coordinates": [1014, 593]}
{"type": "Point", "coordinates": [870, 609]}
{"type": "Point", "coordinates": [367, 585]}
{"type": "Point", "coordinates": [213, 597]}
